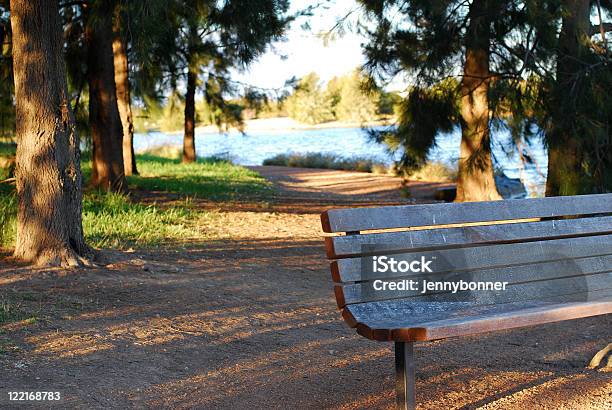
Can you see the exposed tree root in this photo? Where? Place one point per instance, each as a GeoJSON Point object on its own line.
{"type": "Point", "coordinates": [65, 257]}
{"type": "Point", "coordinates": [599, 356]}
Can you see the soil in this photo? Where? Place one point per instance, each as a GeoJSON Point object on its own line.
{"type": "Point", "coordinates": [249, 320]}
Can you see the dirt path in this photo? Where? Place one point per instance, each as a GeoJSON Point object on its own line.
{"type": "Point", "coordinates": [249, 321]}
{"type": "Point", "coordinates": [339, 186]}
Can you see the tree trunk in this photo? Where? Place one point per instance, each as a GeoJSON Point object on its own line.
{"type": "Point", "coordinates": [475, 180]}
{"type": "Point", "coordinates": [107, 134]}
{"type": "Point", "coordinates": [565, 176]}
{"type": "Point", "coordinates": [48, 172]}
{"type": "Point", "coordinates": [189, 152]}
{"type": "Point", "coordinates": [122, 85]}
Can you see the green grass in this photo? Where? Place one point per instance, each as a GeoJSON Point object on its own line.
{"type": "Point", "coordinates": [115, 221]}
{"type": "Point", "coordinates": [208, 178]}
{"type": "Point", "coordinates": [7, 149]}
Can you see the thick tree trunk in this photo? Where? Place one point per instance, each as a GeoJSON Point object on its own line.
{"type": "Point", "coordinates": [565, 176]}
{"type": "Point", "coordinates": [189, 152]}
{"type": "Point", "coordinates": [107, 134]}
{"type": "Point", "coordinates": [48, 172]}
{"type": "Point", "coordinates": [475, 180]}
{"type": "Point", "coordinates": [124, 106]}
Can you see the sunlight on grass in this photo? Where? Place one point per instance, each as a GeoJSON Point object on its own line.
{"type": "Point", "coordinates": [112, 221]}
{"type": "Point", "coordinates": [115, 221]}
{"type": "Point", "coordinates": [207, 178]}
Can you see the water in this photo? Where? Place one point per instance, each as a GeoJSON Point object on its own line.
{"type": "Point", "coordinates": [256, 146]}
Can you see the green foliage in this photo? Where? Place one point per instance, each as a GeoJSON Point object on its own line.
{"type": "Point", "coordinates": [422, 115]}
{"type": "Point", "coordinates": [326, 161]}
{"type": "Point", "coordinates": [309, 103]}
{"type": "Point", "coordinates": [207, 39]}
{"type": "Point", "coordinates": [426, 41]}
{"type": "Point", "coordinates": [353, 103]}
{"type": "Point", "coordinates": [257, 104]}
{"type": "Point", "coordinates": [7, 149]}
{"type": "Point", "coordinates": [172, 118]}
{"type": "Point", "coordinates": [347, 98]}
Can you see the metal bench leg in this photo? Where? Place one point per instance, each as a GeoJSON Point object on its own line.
{"type": "Point", "coordinates": [405, 384]}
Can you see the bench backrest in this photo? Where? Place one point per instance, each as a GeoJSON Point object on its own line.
{"type": "Point", "coordinates": [557, 248]}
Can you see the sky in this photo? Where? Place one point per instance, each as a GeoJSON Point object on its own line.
{"type": "Point", "coordinates": [304, 51]}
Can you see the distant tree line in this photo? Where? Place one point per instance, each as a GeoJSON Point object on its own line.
{"type": "Point", "coordinates": [345, 98]}
{"type": "Point", "coordinates": [306, 100]}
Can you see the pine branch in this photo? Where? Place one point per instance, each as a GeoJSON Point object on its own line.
{"type": "Point", "coordinates": [599, 28]}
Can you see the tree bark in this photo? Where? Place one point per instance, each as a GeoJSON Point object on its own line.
{"type": "Point", "coordinates": [189, 152]}
{"type": "Point", "coordinates": [565, 176]}
{"type": "Point", "coordinates": [475, 180]}
{"type": "Point", "coordinates": [106, 129]}
{"type": "Point", "coordinates": [48, 171]}
{"type": "Point", "coordinates": [122, 85]}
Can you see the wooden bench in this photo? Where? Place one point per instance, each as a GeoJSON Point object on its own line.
{"type": "Point", "coordinates": [554, 253]}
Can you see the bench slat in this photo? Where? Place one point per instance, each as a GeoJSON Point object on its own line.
{"type": "Point", "coordinates": [470, 319]}
{"type": "Point", "coordinates": [412, 312]}
{"type": "Point", "coordinates": [353, 245]}
{"type": "Point", "coordinates": [390, 217]}
{"type": "Point", "coordinates": [350, 270]}
{"type": "Point", "coordinates": [525, 282]}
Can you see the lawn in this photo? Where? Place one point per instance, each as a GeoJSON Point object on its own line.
{"type": "Point", "coordinates": [116, 221]}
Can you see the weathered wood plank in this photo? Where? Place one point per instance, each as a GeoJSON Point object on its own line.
{"type": "Point", "coordinates": [354, 245]}
{"type": "Point", "coordinates": [389, 217]}
{"type": "Point", "coordinates": [524, 282]}
{"type": "Point", "coordinates": [478, 322]}
{"type": "Point", "coordinates": [351, 269]}
{"type": "Point", "coordinates": [413, 312]}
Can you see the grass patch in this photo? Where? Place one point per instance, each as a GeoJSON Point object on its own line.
{"type": "Point", "coordinates": [7, 149]}
{"type": "Point", "coordinates": [8, 214]}
{"type": "Point", "coordinates": [209, 178]}
{"type": "Point", "coordinates": [327, 161]}
{"type": "Point", "coordinates": [114, 221]}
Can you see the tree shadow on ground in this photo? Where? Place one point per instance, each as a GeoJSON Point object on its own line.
{"type": "Point", "coordinates": [253, 323]}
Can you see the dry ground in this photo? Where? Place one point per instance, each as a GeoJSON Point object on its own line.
{"type": "Point", "coordinates": [249, 321]}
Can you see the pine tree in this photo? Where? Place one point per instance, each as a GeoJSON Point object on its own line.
{"type": "Point", "coordinates": [208, 39]}
{"type": "Point", "coordinates": [105, 122]}
{"type": "Point", "coordinates": [432, 44]}
{"type": "Point", "coordinates": [48, 172]}
{"type": "Point", "coordinates": [577, 104]}
{"type": "Point", "coordinates": [122, 84]}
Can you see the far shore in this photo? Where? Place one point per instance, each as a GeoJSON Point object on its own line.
{"type": "Point", "coordinates": [285, 124]}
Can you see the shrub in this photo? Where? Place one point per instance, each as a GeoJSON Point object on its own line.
{"type": "Point", "coordinates": [327, 161]}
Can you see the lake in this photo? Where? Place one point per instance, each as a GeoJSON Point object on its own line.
{"type": "Point", "coordinates": [256, 146]}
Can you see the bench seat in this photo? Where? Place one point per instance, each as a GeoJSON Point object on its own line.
{"type": "Point", "coordinates": [408, 321]}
